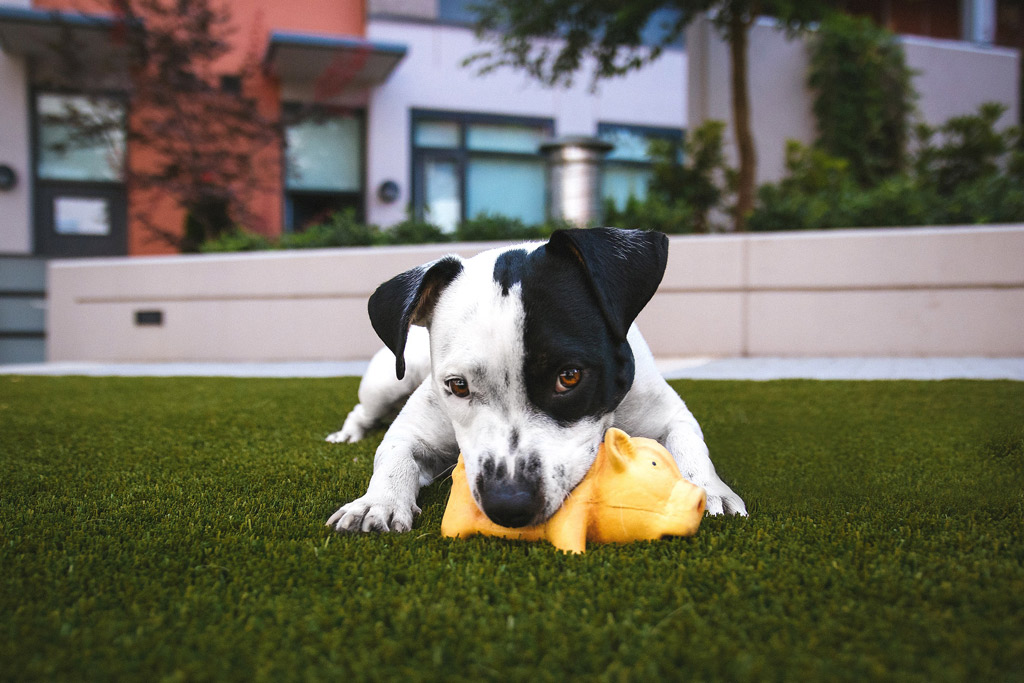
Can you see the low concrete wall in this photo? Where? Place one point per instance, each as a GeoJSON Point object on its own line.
{"type": "Point", "coordinates": [895, 292]}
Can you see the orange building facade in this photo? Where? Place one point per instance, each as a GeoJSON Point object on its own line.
{"type": "Point", "coordinates": [119, 192]}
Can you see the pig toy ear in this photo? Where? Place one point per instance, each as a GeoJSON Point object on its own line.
{"type": "Point", "coordinates": [618, 449]}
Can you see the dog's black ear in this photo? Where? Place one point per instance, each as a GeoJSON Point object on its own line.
{"type": "Point", "coordinates": [623, 267]}
{"type": "Point", "coordinates": [409, 299]}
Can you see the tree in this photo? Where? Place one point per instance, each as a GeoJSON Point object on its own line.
{"type": "Point", "coordinates": [197, 138]}
{"type": "Point", "coordinates": [550, 39]}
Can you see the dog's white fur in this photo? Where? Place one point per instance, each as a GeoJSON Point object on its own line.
{"type": "Point", "coordinates": [476, 333]}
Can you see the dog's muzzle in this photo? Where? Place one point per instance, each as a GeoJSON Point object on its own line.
{"type": "Point", "coordinates": [510, 502]}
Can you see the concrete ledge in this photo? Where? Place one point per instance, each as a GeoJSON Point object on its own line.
{"type": "Point", "coordinates": [955, 291]}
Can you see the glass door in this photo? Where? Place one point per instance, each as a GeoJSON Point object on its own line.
{"type": "Point", "coordinates": [80, 204]}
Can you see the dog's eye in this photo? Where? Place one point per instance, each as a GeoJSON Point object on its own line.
{"type": "Point", "coordinates": [458, 386]}
{"type": "Point", "coordinates": [568, 379]}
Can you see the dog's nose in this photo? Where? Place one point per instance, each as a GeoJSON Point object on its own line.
{"type": "Point", "coordinates": [510, 502]}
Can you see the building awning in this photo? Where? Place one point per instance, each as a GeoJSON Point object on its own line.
{"type": "Point", "coordinates": [55, 41]}
{"type": "Point", "coordinates": [332, 63]}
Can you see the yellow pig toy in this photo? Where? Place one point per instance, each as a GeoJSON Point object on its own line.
{"type": "Point", "coordinates": [633, 492]}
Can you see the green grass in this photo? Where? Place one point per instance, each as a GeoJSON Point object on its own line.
{"type": "Point", "coordinates": [172, 529]}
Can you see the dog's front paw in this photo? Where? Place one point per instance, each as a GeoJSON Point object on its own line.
{"type": "Point", "coordinates": [723, 500]}
{"type": "Point", "coordinates": [356, 425]}
{"type": "Point", "coordinates": [728, 505]}
{"type": "Point", "coordinates": [373, 513]}
{"type": "Point", "coordinates": [347, 434]}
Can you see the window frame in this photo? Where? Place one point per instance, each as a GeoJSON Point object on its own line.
{"type": "Point", "coordinates": [677, 135]}
{"type": "Point", "coordinates": [45, 192]}
{"type": "Point", "coordinates": [296, 112]}
{"type": "Point", "coordinates": [462, 154]}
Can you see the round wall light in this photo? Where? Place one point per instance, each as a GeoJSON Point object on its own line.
{"type": "Point", "coordinates": [8, 178]}
{"type": "Point", "coordinates": [388, 191]}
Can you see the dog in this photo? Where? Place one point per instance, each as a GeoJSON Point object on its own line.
{"type": "Point", "coordinates": [521, 358]}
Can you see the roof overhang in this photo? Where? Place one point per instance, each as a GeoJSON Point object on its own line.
{"type": "Point", "coordinates": [57, 42]}
{"type": "Point", "coordinates": [332, 64]}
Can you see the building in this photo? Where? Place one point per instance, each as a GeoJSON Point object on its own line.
{"type": "Point", "coordinates": [391, 122]}
{"type": "Point", "coordinates": [378, 114]}
{"type": "Point", "coordinates": [963, 53]}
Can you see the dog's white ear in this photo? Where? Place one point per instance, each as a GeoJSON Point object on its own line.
{"type": "Point", "coordinates": [409, 299]}
{"type": "Point", "coordinates": [623, 267]}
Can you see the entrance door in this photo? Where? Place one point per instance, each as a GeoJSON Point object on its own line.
{"type": "Point", "coordinates": [80, 203]}
{"type": "Point", "coordinates": [80, 219]}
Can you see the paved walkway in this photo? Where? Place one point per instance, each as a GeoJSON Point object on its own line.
{"type": "Point", "coordinates": [672, 368]}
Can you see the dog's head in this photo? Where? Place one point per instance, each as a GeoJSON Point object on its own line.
{"type": "Point", "coordinates": [529, 355]}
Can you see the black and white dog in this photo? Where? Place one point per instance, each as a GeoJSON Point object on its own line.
{"type": "Point", "coordinates": [531, 355]}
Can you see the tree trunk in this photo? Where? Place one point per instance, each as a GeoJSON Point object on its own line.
{"type": "Point", "coordinates": [739, 27]}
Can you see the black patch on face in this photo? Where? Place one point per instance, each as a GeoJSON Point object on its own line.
{"type": "Point", "coordinates": [565, 328]}
{"type": "Point", "coordinates": [508, 269]}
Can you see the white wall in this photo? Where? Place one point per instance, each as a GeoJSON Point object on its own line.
{"type": "Point", "coordinates": [432, 77]}
{"type": "Point", "coordinates": [15, 213]}
{"type": "Point", "coordinates": [953, 78]}
{"type": "Point", "coordinates": [884, 292]}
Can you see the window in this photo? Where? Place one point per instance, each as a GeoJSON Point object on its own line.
{"type": "Point", "coordinates": [658, 28]}
{"type": "Point", "coordinates": [467, 165]}
{"type": "Point", "coordinates": [627, 168]}
{"type": "Point", "coordinates": [80, 201]}
{"type": "Point", "coordinates": [80, 138]}
{"type": "Point", "coordinates": [323, 165]}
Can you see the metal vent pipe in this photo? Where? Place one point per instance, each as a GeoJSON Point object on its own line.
{"type": "Point", "coordinates": [574, 178]}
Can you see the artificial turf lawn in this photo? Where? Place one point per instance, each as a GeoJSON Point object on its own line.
{"type": "Point", "coordinates": [172, 529]}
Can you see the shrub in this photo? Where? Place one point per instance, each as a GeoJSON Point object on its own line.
{"type": "Point", "coordinates": [236, 240]}
{"type": "Point", "coordinates": [341, 230]}
{"type": "Point", "coordinates": [687, 185]}
{"type": "Point", "coordinates": [965, 171]}
{"type": "Point", "coordinates": [652, 214]}
{"type": "Point", "coordinates": [863, 96]}
{"type": "Point", "coordinates": [970, 149]}
{"type": "Point", "coordinates": [495, 227]}
{"type": "Point", "coordinates": [413, 231]}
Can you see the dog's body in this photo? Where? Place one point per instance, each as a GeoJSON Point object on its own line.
{"type": "Point", "coordinates": [531, 355]}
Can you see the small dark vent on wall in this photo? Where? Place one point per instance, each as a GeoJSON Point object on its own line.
{"type": "Point", "coordinates": [149, 318]}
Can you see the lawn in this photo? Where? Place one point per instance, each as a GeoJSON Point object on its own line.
{"type": "Point", "coordinates": [172, 529]}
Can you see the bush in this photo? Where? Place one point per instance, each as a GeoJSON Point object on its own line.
{"type": "Point", "coordinates": [497, 228]}
{"type": "Point", "coordinates": [963, 172]}
{"type": "Point", "coordinates": [341, 230]}
{"type": "Point", "coordinates": [863, 96]}
{"type": "Point", "coordinates": [970, 150]}
{"type": "Point", "coordinates": [687, 185]}
{"type": "Point", "coordinates": [652, 214]}
{"type": "Point", "coordinates": [413, 231]}
{"type": "Point", "coordinates": [236, 240]}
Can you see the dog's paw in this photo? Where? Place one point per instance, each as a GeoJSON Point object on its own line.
{"type": "Point", "coordinates": [355, 427]}
{"type": "Point", "coordinates": [347, 434]}
{"type": "Point", "coordinates": [373, 513]}
{"type": "Point", "coordinates": [729, 504]}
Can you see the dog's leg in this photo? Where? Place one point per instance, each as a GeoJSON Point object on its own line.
{"type": "Point", "coordinates": [685, 442]}
{"type": "Point", "coordinates": [653, 409]}
{"type": "Point", "coordinates": [381, 394]}
{"type": "Point", "coordinates": [418, 446]}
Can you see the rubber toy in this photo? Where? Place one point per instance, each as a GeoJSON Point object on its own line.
{"type": "Point", "coordinates": [633, 492]}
